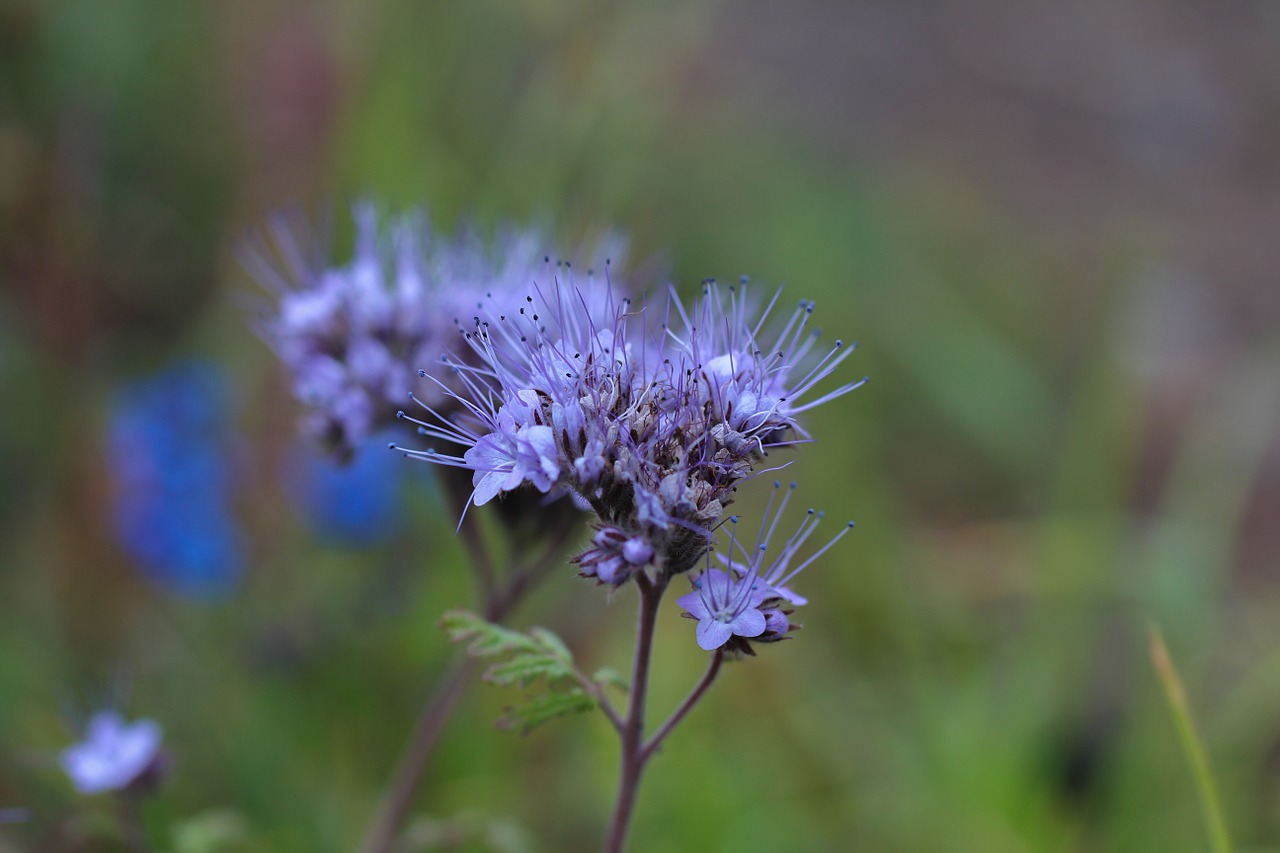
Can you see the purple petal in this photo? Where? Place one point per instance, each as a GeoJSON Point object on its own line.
{"type": "Point", "coordinates": [712, 634]}
{"type": "Point", "coordinates": [749, 623]}
{"type": "Point", "coordinates": [487, 485]}
{"type": "Point", "coordinates": [786, 594]}
{"type": "Point", "coordinates": [693, 604]}
{"type": "Point", "coordinates": [636, 551]}
{"type": "Point", "coordinates": [488, 454]}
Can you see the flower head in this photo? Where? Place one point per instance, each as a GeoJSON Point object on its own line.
{"type": "Point", "coordinates": [113, 755]}
{"type": "Point", "coordinates": [650, 418]}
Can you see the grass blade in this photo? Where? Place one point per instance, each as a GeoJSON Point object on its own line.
{"type": "Point", "coordinates": [1176, 694]}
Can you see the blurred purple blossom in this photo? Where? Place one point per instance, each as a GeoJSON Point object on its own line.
{"type": "Point", "coordinates": [113, 755]}
{"type": "Point", "coordinates": [357, 502]}
{"type": "Point", "coordinates": [168, 451]}
{"type": "Point", "coordinates": [355, 336]}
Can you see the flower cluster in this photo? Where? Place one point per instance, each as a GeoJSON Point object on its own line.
{"type": "Point", "coordinates": [650, 416]}
{"type": "Point", "coordinates": [353, 336]}
{"type": "Point", "coordinates": [750, 599]}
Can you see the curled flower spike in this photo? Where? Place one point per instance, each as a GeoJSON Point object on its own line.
{"type": "Point", "coordinates": [575, 389]}
{"type": "Point", "coordinates": [114, 754]}
{"type": "Point", "coordinates": [755, 583]}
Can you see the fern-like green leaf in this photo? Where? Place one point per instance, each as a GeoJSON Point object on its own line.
{"type": "Point", "coordinates": [523, 668]}
{"type": "Point", "coordinates": [545, 708]}
{"type": "Point", "coordinates": [522, 659]}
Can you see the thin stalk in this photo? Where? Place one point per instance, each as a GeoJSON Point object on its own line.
{"type": "Point", "coordinates": [713, 669]}
{"type": "Point", "coordinates": [1176, 695]}
{"type": "Point", "coordinates": [498, 601]}
{"type": "Point", "coordinates": [633, 753]}
{"type": "Point", "coordinates": [413, 763]}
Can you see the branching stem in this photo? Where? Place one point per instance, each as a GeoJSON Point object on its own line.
{"type": "Point", "coordinates": [713, 669]}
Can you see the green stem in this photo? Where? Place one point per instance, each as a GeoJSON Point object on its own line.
{"type": "Point", "coordinates": [1176, 694]}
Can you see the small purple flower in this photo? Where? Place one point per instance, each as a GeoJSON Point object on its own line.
{"type": "Point", "coordinates": [775, 569]}
{"type": "Point", "coordinates": [725, 607]}
{"type": "Point", "coordinates": [754, 588]}
{"type": "Point", "coordinates": [113, 755]}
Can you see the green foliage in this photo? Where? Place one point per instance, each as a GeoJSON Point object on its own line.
{"type": "Point", "coordinates": [466, 832]}
{"type": "Point", "coordinates": [213, 831]}
{"type": "Point", "coordinates": [524, 657]}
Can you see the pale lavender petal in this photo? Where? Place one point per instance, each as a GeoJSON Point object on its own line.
{"type": "Point", "coordinates": [712, 634]}
{"type": "Point", "coordinates": [749, 623]}
{"type": "Point", "coordinates": [692, 603]}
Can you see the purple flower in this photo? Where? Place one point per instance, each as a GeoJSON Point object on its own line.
{"type": "Point", "coordinates": [113, 755]}
{"type": "Point", "coordinates": [751, 601]}
{"type": "Point", "coordinates": [651, 425]}
{"type": "Point", "coordinates": [725, 607]}
{"type": "Point", "coordinates": [754, 380]}
{"type": "Point", "coordinates": [354, 336]}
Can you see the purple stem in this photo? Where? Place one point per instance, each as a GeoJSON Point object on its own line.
{"type": "Point", "coordinates": [633, 751]}
{"type": "Point", "coordinates": [713, 669]}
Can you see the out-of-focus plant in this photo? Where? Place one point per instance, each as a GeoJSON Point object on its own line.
{"type": "Point", "coordinates": [354, 338]}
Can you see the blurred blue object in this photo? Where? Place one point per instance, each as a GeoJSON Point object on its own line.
{"type": "Point", "coordinates": [169, 449]}
{"type": "Point", "coordinates": [356, 503]}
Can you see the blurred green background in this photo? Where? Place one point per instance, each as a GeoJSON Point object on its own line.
{"type": "Point", "coordinates": [1052, 227]}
